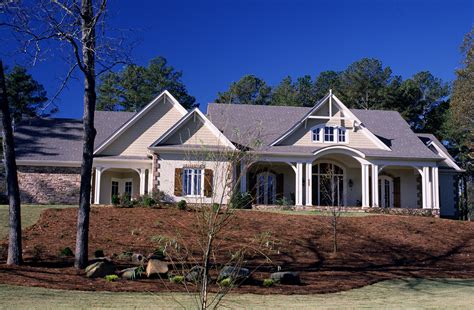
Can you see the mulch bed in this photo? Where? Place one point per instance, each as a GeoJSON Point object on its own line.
{"type": "Point", "coordinates": [371, 248]}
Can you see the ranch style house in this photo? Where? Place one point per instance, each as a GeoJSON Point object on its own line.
{"type": "Point", "coordinates": [318, 156]}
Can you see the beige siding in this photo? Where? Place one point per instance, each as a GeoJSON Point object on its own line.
{"type": "Point", "coordinates": [302, 136]}
{"type": "Point", "coordinates": [136, 139]}
{"type": "Point", "coordinates": [193, 132]}
{"type": "Point", "coordinates": [106, 183]}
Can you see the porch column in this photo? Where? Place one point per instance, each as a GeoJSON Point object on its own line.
{"type": "Point", "coordinates": [98, 175]}
{"type": "Point", "coordinates": [142, 181]}
{"type": "Point", "coordinates": [243, 177]}
{"type": "Point", "coordinates": [426, 188]}
{"type": "Point", "coordinates": [435, 191]}
{"type": "Point", "coordinates": [309, 185]}
{"type": "Point", "coordinates": [299, 185]}
{"type": "Point", "coordinates": [365, 185]}
{"type": "Point", "coordinates": [375, 186]}
{"type": "Point", "coordinates": [150, 182]}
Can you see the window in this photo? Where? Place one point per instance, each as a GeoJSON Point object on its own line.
{"type": "Point", "coordinates": [115, 186]}
{"type": "Point", "coordinates": [266, 188]}
{"type": "Point", "coordinates": [329, 134]}
{"type": "Point", "coordinates": [128, 188]}
{"type": "Point", "coordinates": [192, 182]}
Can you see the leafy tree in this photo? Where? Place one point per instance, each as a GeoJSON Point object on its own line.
{"type": "Point", "coordinates": [135, 86]}
{"type": "Point", "coordinates": [306, 94]}
{"type": "Point", "coordinates": [460, 123]}
{"type": "Point", "coordinates": [325, 81]}
{"type": "Point", "coordinates": [26, 96]}
{"type": "Point", "coordinates": [285, 93]}
{"type": "Point", "coordinates": [248, 90]}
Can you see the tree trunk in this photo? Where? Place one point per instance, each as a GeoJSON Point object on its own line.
{"type": "Point", "coordinates": [205, 276]}
{"type": "Point", "coordinates": [14, 239]}
{"type": "Point", "coordinates": [88, 57]}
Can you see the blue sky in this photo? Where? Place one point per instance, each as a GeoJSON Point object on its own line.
{"type": "Point", "coordinates": [216, 42]}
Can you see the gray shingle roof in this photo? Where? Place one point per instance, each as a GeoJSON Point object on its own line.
{"type": "Point", "coordinates": [243, 122]}
{"type": "Point", "coordinates": [60, 139]}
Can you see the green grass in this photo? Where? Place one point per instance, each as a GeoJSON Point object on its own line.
{"type": "Point", "coordinates": [29, 215]}
{"type": "Point", "coordinates": [395, 294]}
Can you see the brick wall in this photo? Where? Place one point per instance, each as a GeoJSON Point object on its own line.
{"type": "Point", "coordinates": [49, 185]}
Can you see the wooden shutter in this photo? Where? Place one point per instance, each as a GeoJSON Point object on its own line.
{"type": "Point", "coordinates": [396, 192]}
{"type": "Point", "coordinates": [208, 181]}
{"type": "Point", "coordinates": [178, 182]}
{"type": "Point", "coordinates": [279, 186]}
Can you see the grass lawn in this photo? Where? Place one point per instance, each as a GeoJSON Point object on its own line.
{"type": "Point", "coordinates": [29, 215]}
{"type": "Point", "coordinates": [394, 294]}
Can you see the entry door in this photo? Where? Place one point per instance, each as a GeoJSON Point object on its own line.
{"type": "Point", "coordinates": [266, 188]}
{"type": "Point", "coordinates": [385, 192]}
{"type": "Point", "coordinates": [121, 186]}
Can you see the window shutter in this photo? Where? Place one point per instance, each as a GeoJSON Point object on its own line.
{"type": "Point", "coordinates": [396, 193]}
{"type": "Point", "coordinates": [178, 182]}
{"type": "Point", "coordinates": [279, 186]}
{"type": "Point", "coordinates": [208, 181]}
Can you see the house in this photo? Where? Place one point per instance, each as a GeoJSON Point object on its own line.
{"type": "Point", "coordinates": [323, 155]}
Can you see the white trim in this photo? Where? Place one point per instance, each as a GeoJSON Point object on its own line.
{"type": "Point", "coordinates": [445, 156]}
{"type": "Point", "coordinates": [207, 123]}
{"type": "Point", "coordinates": [137, 116]}
{"type": "Point", "coordinates": [338, 149]}
{"type": "Point", "coordinates": [322, 133]}
{"type": "Point", "coordinates": [202, 172]}
{"type": "Point", "coordinates": [382, 191]}
{"type": "Point", "coordinates": [45, 163]}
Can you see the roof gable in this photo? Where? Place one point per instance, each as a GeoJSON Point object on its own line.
{"type": "Point", "coordinates": [140, 130]}
{"type": "Point", "coordinates": [194, 129]}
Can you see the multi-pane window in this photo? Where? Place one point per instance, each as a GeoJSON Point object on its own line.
{"type": "Point", "coordinates": [115, 186]}
{"type": "Point", "coordinates": [128, 188]}
{"type": "Point", "coordinates": [192, 182]}
{"type": "Point", "coordinates": [329, 134]}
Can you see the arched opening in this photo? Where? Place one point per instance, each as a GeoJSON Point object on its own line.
{"type": "Point", "coordinates": [271, 182]}
{"type": "Point", "coordinates": [117, 182]}
{"type": "Point", "coordinates": [328, 183]}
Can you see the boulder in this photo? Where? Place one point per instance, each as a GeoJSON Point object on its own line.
{"type": "Point", "coordinates": [129, 273]}
{"type": "Point", "coordinates": [235, 273]}
{"type": "Point", "coordinates": [156, 267]}
{"type": "Point", "coordinates": [100, 269]}
{"type": "Point", "coordinates": [195, 275]}
{"type": "Point", "coordinates": [286, 277]}
{"type": "Point", "coordinates": [138, 258]}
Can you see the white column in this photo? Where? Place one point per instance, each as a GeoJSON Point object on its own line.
{"type": "Point", "coordinates": [435, 191]}
{"type": "Point", "coordinates": [375, 186]}
{"type": "Point", "coordinates": [426, 188]}
{"type": "Point", "coordinates": [98, 176]}
{"type": "Point", "coordinates": [150, 181]}
{"type": "Point", "coordinates": [309, 185]}
{"type": "Point", "coordinates": [365, 185]}
{"type": "Point", "coordinates": [142, 181]}
{"type": "Point", "coordinates": [243, 177]}
{"type": "Point", "coordinates": [299, 184]}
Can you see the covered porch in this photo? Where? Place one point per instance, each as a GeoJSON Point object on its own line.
{"type": "Point", "coordinates": [341, 176]}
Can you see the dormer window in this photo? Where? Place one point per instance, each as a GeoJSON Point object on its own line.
{"type": "Point", "coordinates": [329, 134]}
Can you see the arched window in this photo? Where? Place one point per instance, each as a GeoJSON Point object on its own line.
{"type": "Point", "coordinates": [329, 134]}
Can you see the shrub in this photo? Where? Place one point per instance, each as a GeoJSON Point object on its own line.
{"type": "Point", "coordinates": [226, 282]}
{"type": "Point", "coordinates": [177, 279]}
{"type": "Point", "coordinates": [241, 200]}
{"type": "Point", "coordinates": [268, 282]}
{"type": "Point", "coordinates": [215, 207]}
{"type": "Point", "coordinates": [148, 201]}
{"type": "Point", "coordinates": [111, 277]}
{"type": "Point", "coordinates": [66, 252]}
{"type": "Point", "coordinates": [115, 200]}
{"type": "Point", "coordinates": [182, 205]}
{"type": "Point", "coordinates": [99, 253]}
{"type": "Point", "coordinates": [284, 202]}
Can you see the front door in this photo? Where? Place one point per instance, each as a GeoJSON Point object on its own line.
{"type": "Point", "coordinates": [266, 188]}
{"type": "Point", "coordinates": [385, 192]}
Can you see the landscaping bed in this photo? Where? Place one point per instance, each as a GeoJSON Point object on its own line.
{"type": "Point", "coordinates": [371, 248]}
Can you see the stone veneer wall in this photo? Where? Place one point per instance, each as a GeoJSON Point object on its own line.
{"type": "Point", "coordinates": [49, 185]}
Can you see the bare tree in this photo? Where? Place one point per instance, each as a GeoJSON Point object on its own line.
{"type": "Point", "coordinates": [70, 28]}
{"type": "Point", "coordinates": [14, 239]}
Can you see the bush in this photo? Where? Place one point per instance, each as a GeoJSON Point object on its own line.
{"type": "Point", "coordinates": [123, 201]}
{"type": "Point", "coordinates": [284, 202]}
{"type": "Point", "coordinates": [241, 200]}
{"type": "Point", "coordinates": [115, 200]}
{"type": "Point", "coordinates": [66, 252]}
{"type": "Point", "coordinates": [182, 205]}
{"type": "Point", "coordinates": [148, 201]}
{"type": "Point", "coordinates": [268, 282]}
{"type": "Point", "coordinates": [111, 277]}
{"type": "Point", "coordinates": [226, 282]}
{"type": "Point", "coordinates": [177, 279]}
{"type": "Point", "coordinates": [215, 207]}
{"type": "Point", "coordinates": [99, 253]}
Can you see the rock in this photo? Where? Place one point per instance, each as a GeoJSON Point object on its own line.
{"type": "Point", "coordinates": [129, 273]}
{"type": "Point", "coordinates": [195, 275]}
{"type": "Point", "coordinates": [100, 269]}
{"type": "Point", "coordinates": [286, 277]}
{"type": "Point", "coordinates": [156, 256]}
{"type": "Point", "coordinates": [235, 273]}
{"type": "Point", "coordinates": [138, 258]}
{"type": "Point", "coordinates": [156, 267]}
